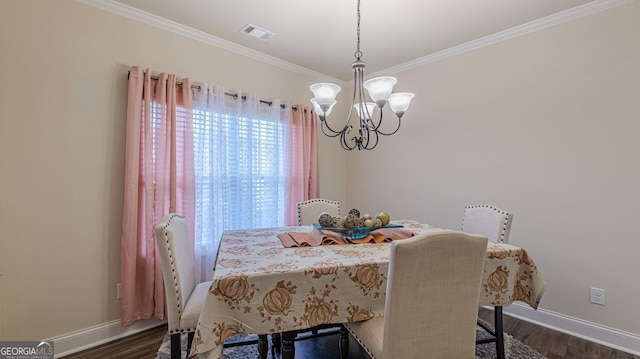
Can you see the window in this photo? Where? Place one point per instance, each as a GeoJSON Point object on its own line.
{"type": "Point", "coordinates": [240, 172]}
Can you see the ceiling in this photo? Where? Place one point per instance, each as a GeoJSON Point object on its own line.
{"type": "Point", "coordinates": [321, 35]}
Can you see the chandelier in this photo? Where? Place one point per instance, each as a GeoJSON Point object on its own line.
{"type": "Point", "coordinates": [379, 89]}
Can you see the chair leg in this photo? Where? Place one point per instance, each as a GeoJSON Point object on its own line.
{"type": "Point", "coordinates": [175, 346]}
{"type": "Point", "coordinates": [499, 330]}
{"type": "Point", "coordinates": [344, 342]}
{"type": "Point", "coordinates": [263, 346]}
{"type": "Point", "coordinates": [288, 345]}
{"type": "Point", "coordinates": [190, 336]}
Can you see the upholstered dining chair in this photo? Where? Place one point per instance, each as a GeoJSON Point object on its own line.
{"type": "Point", "coordinates": [185, 297]}
{"type": "Point", "coordinates": [495, 224]}
{"type": "Point", "coordinates": [308, 211]}
{"type": "Point", "coordinates": [487, 220]}
{"type": "Point", "coordinates": [431, 305]}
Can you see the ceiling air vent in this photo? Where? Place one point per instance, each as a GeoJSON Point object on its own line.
{"type": "Point", "coordinates": [257, 32]}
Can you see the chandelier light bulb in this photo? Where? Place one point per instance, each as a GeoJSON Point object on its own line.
{"type": "Point", "coordinates": [380, 88]}
{"type": "Point", "coordinates": [365, 112]}
{"type": "Point", "coordinates": [399, 102]}
{"type": "Point", "coordinates": [325, 93]}
{"type": "Point", "coordinates": [318, 108]}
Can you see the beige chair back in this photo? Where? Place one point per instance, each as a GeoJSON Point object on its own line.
{"type": "Point", "coordinates": [487, 220]}
{"type": "Point", "coordinates": [308, 211]}
{"type": "Point", "coordinates": [433, 290]}
{"type": "Point", "coordinates": [178, 268]}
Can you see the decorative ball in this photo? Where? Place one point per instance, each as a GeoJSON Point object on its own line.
{"type": "Point", "coordinates": [368, 222]}
{"type": "Point", "coordinates": [367, 216]}
{"type": "Point", "coordinates": [350, 222]}
{"type": "Point", "coordinates": [377, 222]}
{"type": "Point", "coordinates": [338, 222]}
{"type": "Point", "coordinates": [354, 212]}
{"type": "Point", "coordinates": [359, 222]}
{"type": "Point", "coordinates": [325, 219]}
{"type": "Point", "coordinates": [384, 217]}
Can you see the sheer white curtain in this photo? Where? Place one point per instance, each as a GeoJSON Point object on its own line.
{"type": "Point", "coordinates": [240, 160]}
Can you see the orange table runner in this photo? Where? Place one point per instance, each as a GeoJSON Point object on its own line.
{"type": "Point", "coordinates": [324, 237]}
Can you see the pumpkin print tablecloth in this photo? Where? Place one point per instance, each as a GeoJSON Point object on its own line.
{"type": "Point", "coordinates": [261, 287]}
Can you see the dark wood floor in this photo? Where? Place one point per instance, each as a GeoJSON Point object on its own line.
{"type": "Point", "coordinates": [550, 343]}
{"type": "Point", "coordinates": [554, 344]}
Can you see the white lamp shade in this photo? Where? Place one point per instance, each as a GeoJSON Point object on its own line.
{"type": "Point", "coordinates": [399, 102]}
{"type": "Point", "coordinates": [318, 109]}
{"type": "Point", "coordinates": [365, 113]}
{"type": "Point", "coordinates": [380, 88]}
{"type": "Point", "coordinates": [325, 93]}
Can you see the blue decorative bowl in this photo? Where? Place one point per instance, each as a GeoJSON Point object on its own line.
{"type": "Point", "coordinates": [356, 232]}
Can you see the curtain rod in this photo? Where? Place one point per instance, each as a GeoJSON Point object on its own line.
{"type": "Point", "coordinates": [234, 95]}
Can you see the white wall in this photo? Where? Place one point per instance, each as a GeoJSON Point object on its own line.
{"type": "Point", "coordinates": [62, 126]}
{"type": "Point", "coordinates": [545, 125]}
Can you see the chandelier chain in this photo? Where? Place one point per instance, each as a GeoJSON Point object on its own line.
{"type": "Point", "coordinates": [358, 53]}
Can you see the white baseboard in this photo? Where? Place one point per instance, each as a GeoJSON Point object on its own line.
{"type": "Point", "coordinates": [610, 337]}
{"type": "Point", "coordinates": [103, 333]}
{"type": "Point", "coordinates": [628, 342]}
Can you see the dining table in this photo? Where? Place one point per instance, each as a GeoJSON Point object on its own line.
{"type": "Point", "coordinates": [260, 286]}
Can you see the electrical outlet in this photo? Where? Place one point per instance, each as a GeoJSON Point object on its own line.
{"type": "Point", "coordinates": [597, 296]}
{"type": "Point", "coordinates": [118, 292]}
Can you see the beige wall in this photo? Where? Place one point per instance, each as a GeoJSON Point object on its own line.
{"type": "Point", "coordinates": [63, 100]}
{"type": "Point", "coordinates": [545, 125]}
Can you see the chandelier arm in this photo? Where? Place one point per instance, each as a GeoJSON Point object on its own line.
{"type": "Point", "coordinates": [367, 141]}
{"type": "Point", "coordinates": [334, 132]}
{"type": "Point", "coordinates": [376, 142]}
{"type": "Point", "coordinates": [357, 94]}
{"type": "Point", "coordinates": [363, 109]}
{"type": "Point", "coordinates": [361, 97]}
{"type": "Point", "coordinates": [371, 126]}
{"type": "Point", "coordinates": [391, 133]}
{"type": "Point", "coordinates": [363, 140]}
{"type": "Point", "coordinates": [343, 142]}
{"type": "Point", "coordinates": [375, 127]}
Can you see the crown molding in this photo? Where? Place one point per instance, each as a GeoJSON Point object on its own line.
{"type": "Point", "coordinates": [186, 31]}
{"type": "Point", "coordinates": [532, 26]}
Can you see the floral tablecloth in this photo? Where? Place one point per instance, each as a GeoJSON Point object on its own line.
{"type": "Point", "coordinates": [261, 287]}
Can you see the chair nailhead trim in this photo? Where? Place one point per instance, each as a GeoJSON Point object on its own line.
{"type": "Point", "coordinates": [503, 212]}
{"type": "Point", "coordinates": [173, 269]}
{"type": "Point", "coordinates": [317, 200]}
